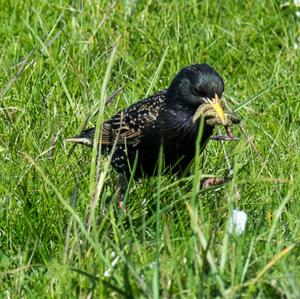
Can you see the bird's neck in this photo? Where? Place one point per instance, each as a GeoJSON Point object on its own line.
{"type": "Point", "coordinates": [176, 122]}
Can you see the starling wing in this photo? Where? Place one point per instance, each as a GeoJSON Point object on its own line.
{"type": "Point", "coordinates": [126, 126]}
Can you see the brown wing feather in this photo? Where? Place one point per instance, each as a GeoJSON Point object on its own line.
{"type": "Point", "coordinates": [128, 125]}
{"type": "Point", "coordinates": [119, 128]}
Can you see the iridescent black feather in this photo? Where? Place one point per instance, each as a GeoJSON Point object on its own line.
{"type": "Point", "coordinates": [162, 119]}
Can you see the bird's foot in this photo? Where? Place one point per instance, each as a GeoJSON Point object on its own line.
{"type": "Point", "coordinates": [211, 182]}
{"type": "Point", "coordinates": [120, 203]}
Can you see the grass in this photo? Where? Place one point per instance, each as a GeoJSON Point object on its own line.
{"type": "Point", "coordinates": [171, 242]}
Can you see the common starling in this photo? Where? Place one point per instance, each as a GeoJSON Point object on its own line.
{"type": "Point", "coordinates": [170, 118]}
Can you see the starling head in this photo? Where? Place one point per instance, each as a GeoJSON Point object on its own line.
{"type": "Point", "coordinates": [194, 85]}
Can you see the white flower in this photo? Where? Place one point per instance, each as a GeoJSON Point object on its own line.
{"type": "Point", "coordinates": [297, 3]}
{"type": "Point", "coordinates": [114, 262]}
{"type": "Point", "coordinates": [237, 222]}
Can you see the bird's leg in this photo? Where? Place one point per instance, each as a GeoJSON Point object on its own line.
{"type": "Point", "coordinates": [122, 187]}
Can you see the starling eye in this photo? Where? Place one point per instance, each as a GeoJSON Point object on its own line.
{"type": "Point", "coordinates": [198, 92]}
{"type": "Point", "coordinates": [195, 91]}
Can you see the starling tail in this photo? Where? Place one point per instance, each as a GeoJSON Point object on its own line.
{"type": "Point", "coordinates": [86, 137]}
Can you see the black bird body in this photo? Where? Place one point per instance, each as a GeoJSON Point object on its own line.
{"type": "Point", "coordinates": [158, 125]}
{"type": "Point", "coordinates": [165, 118]}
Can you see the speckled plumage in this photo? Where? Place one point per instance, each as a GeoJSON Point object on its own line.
{"type": "Point", "coordinates": [164, 118]}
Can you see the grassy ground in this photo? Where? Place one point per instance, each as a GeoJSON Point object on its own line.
{"type": "Point", "coordinates": [53, 61]}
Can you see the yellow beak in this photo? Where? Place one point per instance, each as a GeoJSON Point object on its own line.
{"type": "Point", "coordinates": [218, 108]}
